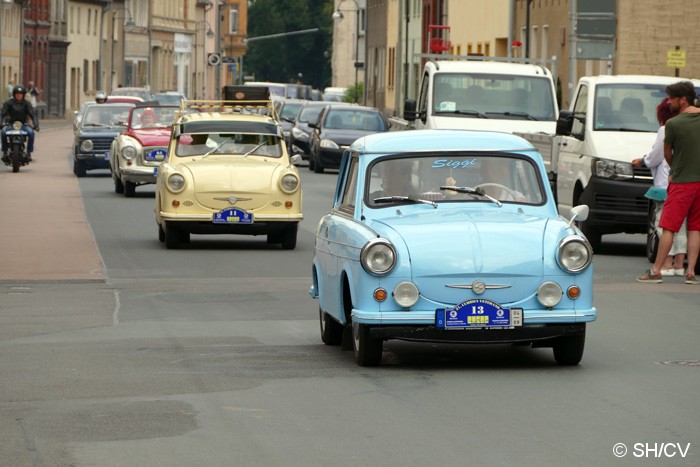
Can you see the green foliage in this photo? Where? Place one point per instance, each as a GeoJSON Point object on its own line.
{"type": "Point", "coordinates": [282, 59]}
{"type": "Point", "coordinates": [355, 93]}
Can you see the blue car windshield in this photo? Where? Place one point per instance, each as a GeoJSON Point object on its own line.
{"type": "Point", "coordinates": [509, 179]}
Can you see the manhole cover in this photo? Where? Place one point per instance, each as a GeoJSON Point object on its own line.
{"type": "Point", "coordinates": [680, 362]}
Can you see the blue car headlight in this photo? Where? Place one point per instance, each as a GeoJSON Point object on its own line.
{"type": "Point", "coordinates": [378, 256]}
{"type": "Point", "coordinates": [574, 254]}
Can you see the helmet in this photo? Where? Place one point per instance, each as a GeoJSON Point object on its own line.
{"type": "Point", "coordinates": [19, 89]}
{"type": "Point", "coordinates": [101, 97]}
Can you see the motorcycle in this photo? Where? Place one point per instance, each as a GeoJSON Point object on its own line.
{"type": "Point", "coordinates": [17, 140]}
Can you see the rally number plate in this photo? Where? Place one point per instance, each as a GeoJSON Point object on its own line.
{"type": "Point", "coordinates": [478, 314]}
{"type": "Point", "coordinates": [232, 216]}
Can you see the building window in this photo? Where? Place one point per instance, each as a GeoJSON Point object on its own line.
{"type": "Point", "coordinates": [233, 21]}
{"type": "Point", "coordinates": [86, 75]}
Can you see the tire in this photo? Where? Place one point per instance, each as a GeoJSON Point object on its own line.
{"type": "Point", "coordinates": [331, 330]}
{"type": "Point", "coordinates": [172, 237]}
{"type": "Point", "coordinates": [289, 237]}
{"type": "Point", "coordinates": [568, 350]}
{"type": "Point", "coordinates": [16, 162]}
{"type": "Point", "coordinates": [118, 185]}
{"type": "Point", "coordinates": [318, 168]}
{"type": "Point", "coordinates": [129, 189]}
{"type": "Point", "coordinates": [161, 234]}
{"type": "Point", "coordinates": [79, 169]}
{"type": "Point", "coordinates": [368, 350]}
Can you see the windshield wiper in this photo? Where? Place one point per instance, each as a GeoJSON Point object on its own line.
{"type": "Point", "coordinates": [471, 191]}
{"type": "Point", "coordinates": [216, 148]}
{"type": "Point", "coordinates": [391, 199]}
{"type": "Point", "coordinates": [622, 129]}
{"type": "Point", "coordinates": [525, 115]}
{"type": "Point", "coordinates": [472, 113]}
{"type": "Point", "coordinates": [255, 148]}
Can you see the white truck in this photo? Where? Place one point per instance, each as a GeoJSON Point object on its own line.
{"type": "Point", "coordinates": [612, 120]}
{"type": "Point", "coordinates": [482, 95]}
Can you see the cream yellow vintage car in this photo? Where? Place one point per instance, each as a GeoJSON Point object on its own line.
{"type": "Point", "coordinates": [227, 171]}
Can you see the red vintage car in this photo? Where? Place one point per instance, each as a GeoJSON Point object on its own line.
{"type": "Point", "coordinates": [137, 152]}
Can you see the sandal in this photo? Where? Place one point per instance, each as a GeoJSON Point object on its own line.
{"type": "Point", "coordinates": [650, 277]}
{"type": "Point", "coordinates": [690, 279]}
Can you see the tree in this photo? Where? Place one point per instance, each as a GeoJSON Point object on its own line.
{"type": "Point", "coordinates": [283, 59]}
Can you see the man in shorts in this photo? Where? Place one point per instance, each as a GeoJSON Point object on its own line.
{"type": "Point", "coordinates": [682, 152]}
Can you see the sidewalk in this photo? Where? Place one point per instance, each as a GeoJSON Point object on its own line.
{"type": "Point", "coordinates": [44, 234]}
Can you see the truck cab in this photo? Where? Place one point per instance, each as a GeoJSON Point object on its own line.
{"type": "Point", "coordinates": [482, 95]}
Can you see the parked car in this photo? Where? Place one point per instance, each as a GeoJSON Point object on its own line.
{"type": "Point", "coordinates": [334, 94]}
{"type": "Point", "coordinates": [137, 151]}
{"type": "Point", "coordinates": [336, 129]}
{"type": "Point", "coordinates": [169, 97]}
{"type": "Point", "coordinates": [287, 109]}
{"type": "Point", "coordinates": [78, 114]}
{"type": "Point", "coordinates": [94, 134]}
{"type": "Point", "coordinates": [228, 172]}
{"type": "Point", "coordinates": [450, 236]}
{"type": "Point", "coordinates": [132, 91]}
{"type": "Point", "coordinates": [300, 137]}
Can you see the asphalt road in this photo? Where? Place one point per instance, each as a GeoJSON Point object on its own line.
{"type": "Point", "coordinates": [117, 352]}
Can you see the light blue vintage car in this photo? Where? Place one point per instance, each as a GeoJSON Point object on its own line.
{"type": "Point", "coordinates": [450, 236]}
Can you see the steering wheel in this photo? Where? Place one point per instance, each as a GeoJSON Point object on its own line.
{"type": "Point", "coordinates": [510, 191]}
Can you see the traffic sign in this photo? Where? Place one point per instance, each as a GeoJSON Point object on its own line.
{"type": "Point", "coordinates": [675, 58]}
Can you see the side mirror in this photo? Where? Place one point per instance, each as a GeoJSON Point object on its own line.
{"type": "Point", "coordinates": [578, 213]}
{"type": "Point", "coordinates": [565, 122]}
{"type": "Point", "coordinates": [295, 159]}
{"type": "Point", "coordinates": [409, 110]}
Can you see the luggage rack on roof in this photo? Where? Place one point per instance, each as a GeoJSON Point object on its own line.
{"type": "Point", "coordinates": [250, 107]}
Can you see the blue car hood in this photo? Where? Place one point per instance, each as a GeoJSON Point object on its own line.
{"type": "Point", "coordinates": [463, 246]}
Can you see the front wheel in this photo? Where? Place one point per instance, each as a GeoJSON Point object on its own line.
{"type": "Point", "coordinates": [16, 162]}
{"type": "Point", "coordinates": [289, 237]}
{"type": "Point", "coordinates": [331, 330]}
{"type": "Point", "coordinates": [118, 185]}
{"type": "Point", "coordinates": [172, 236]}
{"type": "Point", "coordinates": [78, 168]}
{"type": "Point", "coordinates": [129, 189]}
{"type": "Point", "coordinates": [368, 350]}
{"type": "Point", "coordinates": [568, 350]}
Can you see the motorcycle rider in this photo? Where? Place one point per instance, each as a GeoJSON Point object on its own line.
{"type": "Point", "coordinates": [20, 109]}
{"type": "Point", "coordinates": [101, 97]}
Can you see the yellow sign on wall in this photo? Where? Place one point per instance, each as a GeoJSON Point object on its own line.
{"type": "Point", "coordinates": [675, 58]}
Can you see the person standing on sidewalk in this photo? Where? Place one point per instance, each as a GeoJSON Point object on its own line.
{"type": "Point", "coordinates": [674, 263]}
{"type": "Point", "coordinates": [682, 152]}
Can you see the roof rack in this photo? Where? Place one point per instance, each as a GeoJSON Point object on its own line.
{"type": "Point", "coordinates": [257, 107]}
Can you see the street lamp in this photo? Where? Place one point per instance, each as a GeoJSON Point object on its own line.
{"type": "Point", "coordinates": [337, 16]}
{"type": "Point", "coordinates": [210, 34]}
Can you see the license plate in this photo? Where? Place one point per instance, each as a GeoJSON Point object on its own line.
{"type": "Point", "coordinates": [232, 216]}
{"type": "Point", "coordinates": [156, 155]}
{"type": "Point", "coordinates": [478, 314]}
{"type": "Point", "coordinates": [106, 156]}
{"type": "Point", "coordinates": [15, 132]}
